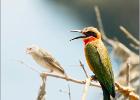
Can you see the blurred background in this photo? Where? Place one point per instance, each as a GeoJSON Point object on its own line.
{"type": "Point", "coordinates": [47, 23]}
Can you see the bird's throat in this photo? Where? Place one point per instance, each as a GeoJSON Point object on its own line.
{"type": "Point", "coordinates": [89, 39]}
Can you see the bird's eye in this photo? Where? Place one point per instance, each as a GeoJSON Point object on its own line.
{"type": "Point", "coordinates": [29, 48]}
{"type": "Point", "coordinates": [90, 33]}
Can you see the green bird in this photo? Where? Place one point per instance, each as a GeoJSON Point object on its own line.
{"type": "Point", "coordinates": [98, 60]}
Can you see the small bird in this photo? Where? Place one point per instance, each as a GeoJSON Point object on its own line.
{"type": "Point", "coordinates": [98, 60]}
{"type": "Point", "coordinates": [43, 58]}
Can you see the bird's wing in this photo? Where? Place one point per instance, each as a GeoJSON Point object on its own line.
{"type": "Point", "coordinates": [51, 60]}
{"type": "Point", "coordinates": [100, 61]}
{"type": "Point", "coordinates": [106, 63]}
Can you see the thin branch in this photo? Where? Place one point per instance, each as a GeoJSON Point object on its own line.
{"type": "Point", "coordinates": [82, 65]}
{"type": "Point", "coordinates": [69, 92]}
{"type": "Point", "coordinates": [128, 75]}
{"type": "Point", "coordinates": [28, 66]}
{"type": "Point", "coordinates": [134, 46]}
{"type": "Point", "coordinates": [101, 28]}
{"type": "Point", "coordinates": [85, 91]}
{"type": "Point", "coordinates": [127, 91]}
{"type": "Point", "coordinates": [129, 35]}
{"type": "Point", "coordinates": [99, 20]}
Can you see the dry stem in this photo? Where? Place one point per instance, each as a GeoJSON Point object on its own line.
{"type": "Point", "coordinates": [85, 91]}
{"type": "Point", "coordinates": [83, 69]}
{"type": "Point", "coordinates": [129, 35]}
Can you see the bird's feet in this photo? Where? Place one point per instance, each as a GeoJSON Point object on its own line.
{"type": "Point", "coordinates": [93, 77]}
{"type": "Point", "coordinates": [43, 74]}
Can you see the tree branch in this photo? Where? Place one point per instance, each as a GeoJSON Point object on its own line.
{"type": "Point", "coordinates": [82, 65]}
{"type": "Point", "coordinates": [85, 91]}
{"type": "Point", "coordinates": [127, 91]}
{"type": "Point", "coordinates": [42, 92]}
{"type": "Point", "coordinates": [128, 34]}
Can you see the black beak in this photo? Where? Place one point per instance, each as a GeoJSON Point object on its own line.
{"type": "Point", "coordinates": [79, 37]}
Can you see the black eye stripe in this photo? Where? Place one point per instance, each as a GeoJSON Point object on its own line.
{"type": "Point", "coordinates": [89, 33]}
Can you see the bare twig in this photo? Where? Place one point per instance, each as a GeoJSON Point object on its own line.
{"type": "Point", "coordinates": [129, 35]}
{"type": "Point", "coordinates": [83, 68]}
{"type": "Point", "coordinates": [85, 91]}
{"type": "Point", "coordinates": [127, 91]}
{"type": "Point", "coordinates": [69, 92]}
{"type": "Point", "coordinates": [99, 20]}
{"type": "Point", "coordinates": [134, 46]}
{"type": "Point", "coordinates": [42, 92]}
{"type": "Point", "coordinates": [101, 28]}
{"type": "Point", "coordinates": [128, 75]}
{"type": "Point", "coordinates": [28, 66]}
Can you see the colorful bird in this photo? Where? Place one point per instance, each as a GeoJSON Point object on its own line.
{"type": "Point", "coordinates": [43, 58]}
{"type": "Point", "coordinates": [98, 59]}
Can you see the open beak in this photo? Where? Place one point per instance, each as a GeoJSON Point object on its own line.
{"type": "Point", "coordinates": [79, 37]}
{"type": "Point", "coordinates": [77, 31]}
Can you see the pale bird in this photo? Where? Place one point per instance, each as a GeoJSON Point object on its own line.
{"type": "Point", "coordinates": [44, 59]}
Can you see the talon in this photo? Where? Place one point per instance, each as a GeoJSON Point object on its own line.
{"type": "Point", "coordinates": [43, 74]}
{"type": "Point", "coordinates": [93, 77]}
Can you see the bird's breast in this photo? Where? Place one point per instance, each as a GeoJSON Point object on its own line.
{"type": "Point", "coordinates": [88, 60]}
{"type": "Point", "coordinates": [42, 62]}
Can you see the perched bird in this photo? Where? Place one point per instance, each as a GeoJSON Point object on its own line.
{"type": "Point", "coordinates": [98, 60]}
{"type": "Point", "coordinates": [43, 58]}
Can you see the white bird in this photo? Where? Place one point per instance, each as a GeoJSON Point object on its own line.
{"type": "Point", "coordinates": [43, 58]}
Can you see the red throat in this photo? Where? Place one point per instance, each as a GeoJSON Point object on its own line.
{"type": "Point", "coordinates": [88, 40]}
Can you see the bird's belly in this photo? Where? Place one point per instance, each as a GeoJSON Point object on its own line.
{"type": "Point", "coordinates": [43, 63]}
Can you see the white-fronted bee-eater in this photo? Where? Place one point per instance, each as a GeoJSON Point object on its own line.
{"type": "Point", "coordinates": [98, 59]}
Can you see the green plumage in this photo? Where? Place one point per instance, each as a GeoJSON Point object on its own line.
{"type": "Point", "coordinates": [99, 62]}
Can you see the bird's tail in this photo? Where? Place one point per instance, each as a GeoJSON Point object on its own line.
{"type": "Point", "coordinates": [106, 94]}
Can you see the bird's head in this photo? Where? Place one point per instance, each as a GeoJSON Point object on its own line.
{"type": "Point", "coordinates": [89, 34]}
{"type": "Point", "coordinates": [32, 49]}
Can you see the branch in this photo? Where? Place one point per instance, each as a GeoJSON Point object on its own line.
{"type": "Point", "coordinates": [99, 20]}
{"type": "Point", "coordinates": [122, 89]}
{"type": "Point", "coordinates": [69, 92]}
{"type": "Point", "coordinates": [88, 81]}
{"type": "Point", "coordinates": [42, 92]}
{"type": "Point", "coordinates": [129, 35]}
{"type": "Point", "coordinates": [71, 79]}
{"type": "Point", "coordinates": [128, 74]}
{"type": "Point", "coordinates": [101, 28]}
{"type": "Point", "coordinates": [83, 69]}
{"type": "Point", "coordinates": [127, 91]}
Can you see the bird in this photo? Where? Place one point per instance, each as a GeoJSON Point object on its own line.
{"type": "Point", "coordinates": [98, 60]}
{"type": "Point", "coordinates": [45, 59]}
